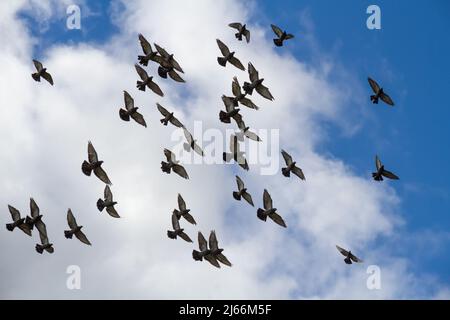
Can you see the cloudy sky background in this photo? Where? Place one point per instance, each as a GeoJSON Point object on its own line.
{"type": "Point", "coordinates": [324, 117]}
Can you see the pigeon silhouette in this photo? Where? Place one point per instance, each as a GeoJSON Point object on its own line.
{"type": "Point", "coordinates": [168, 117]}
{"type": "Point", "coordinates": [242, 31]}
{"type": "Point", "coordinates": [147, 81]}
{"type": "Point", "coordinates": [245, 132]}
{"type": "Point", "coordinates": [235, 154]}
{"type": "Point", "coordinates": [177, 231]}
{"type": "Point", "coordinates": [291, 167]}
{"type": "Point", "coordinates": [240, 97]}
{"type": "Point", "coordinates": [35, 218]}
{"type": "Point", "coordinates": [216, 252]}
{"type": "Point", "coordinates": [183, 211]}
{"type": "Point", "coordinates": [172, 164]}
{"type": "Point", "coordinates": [349, 256]}
{"type": "Point", "coordinates": [75, 229]}
{"type": "Point", "coordinates": [242, 192]}
{"type": "Point", "coordinates": [256, 84]}
{"type": "Point", "coordinates": [379, 93]}
{"type": "Point", "coordinates": [168, 59]}
{"type": "Point", "coordinates": [281, 36]}
{"type": "Point", "coordinates": [45, 244]}
{"type": "Point", "coordinates": [228, 56]}
{"type": "Point", "coordinates": [269, 211]}
{"type": "Point", "coordinates": [191, 143]}
{"type": "Point", "coordinates": [231, 112]}
{"type": "Point", "coordinates": [149, 54]}
{"type": "Point", "coordinates": [131, 111]}
{"type": "Point", "coordinates": [204, 252]}
{"type": "Point", "coordinates": [41, 72]}
{"type": "Point", "coordinates": [382, 172]}
{"type": "Point", "coordinates": [108, 203]}
{"type": "Point", "coordinates": [94, 165]}
{"type": "Point", "coordinates": [18, 222]}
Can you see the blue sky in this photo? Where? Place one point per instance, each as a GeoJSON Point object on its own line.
{"type": "Point", "coordinates": [409, 57]}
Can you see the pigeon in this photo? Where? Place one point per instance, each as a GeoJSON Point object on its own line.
{"type": "Point", "coordinates": [172, 164]}
{"type": "Point", "coordinates": [168, 117]}
{"type": "Point", "coordinates": [231, 111]}
{"type": "Point", "coordinates": [41, 72]}
{"type": "Point", "coordinates": [165, 69]}
{"type": "Point", "coordinates": [269, 211]}
{"type": "Point", "coordinates": [282, 35]}
{"type": "Point", "coordinates": [178, 232]}
{"type": "Point", "coordinates": [349, 257]}
{"type": "Point", "coordinates": [242, 192]}
{"type": "Point", "coordinates": [379, 93]}
{"type": "Point", "coordinates": [239, 97]}
{"type": "Point", "coordinates": [36, 217]}
{"type": "Point", "coordinates": [94, 165]}
{"type": "Point", "coordinates": [228, 56]}
{"type": "Point", "coordinates": [149, 53]}
{"type": "Point", "coordinates": [75, 229]}
{"type": "Point", "coordinates": [235, 154]}
{"type": "Point", "coordinates": [216, 252]}
{"type": "Point", "coordinates": [45, 244]}
{"type": "Point", "coordinates": [168, 59]}
{"type": "Point", "coordinates": [291, 167]}
{"type": "Point", "coordinates": [245, 132]}
{"type": "Point", "coordinates": [204, 252]}
{"type": "Point", "coordinates": [108, 203]}
{"type": "Point", "coordinates": [256, 83]}
{"type": "Point", "coordinates": [183, 211]}
{"type": "Point", "coordinates": [191, 143]}
{"type": "Point", "coordinates": [131, 111]}
{"type": "Point", "coordinates": [242, 31]}
{"type": "Point", "coordinates": [381, 172]}
{"type": "Point", "coordinates": [17, 221]}
{"type": "Point", "coordinates": [147, 81]}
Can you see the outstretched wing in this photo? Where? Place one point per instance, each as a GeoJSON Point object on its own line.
{"type": "Point", "coordinates": [42, 232]}
{"type": "Point", "coordinates": [267, 200]}
{"type": "Point", "coordinates": [139, 118]}
{"type": "Point", "coordinates": [112, 212]}
{"type": "Point", "coordinates": [248, 103]}
{"type": "Point", "coordinates": [211, 259]}
{"type": "Point", "coordinates": [387, 99]}
{"type": "Point", "coordinates": [264, 91]}
{"type": "Point", "coordinates": [240, 183]}
{"type": "Point", "coordinates": [71, 221]}
{"type": "Point", "coordinates": [378, 163]}
{"type": "Point", "coordinates": [34, 209]}
{"type": "Point", "coordinates": [252, 72]}
{"type": "Point", "coordinates": [235, 87]}
{"type": "Point", "coordinates": [15, 214]}
{"type": "Point", "coordinates": [175, 222]}
{"type": "Point", "coordinates": [92, 154]}
{"type": "Point", "coordinates": [170, 156]}
{"type": "Point", "coordinates": [374, 85]}
{"type": "Point", "coordinates": [175, 76]}
{"type": "Point", "coordinates": [223, 48]}
{"type": "Point", "coordinates": [146, 47]}
{"type": "Point", "coordinates": [247, 35]}
{"type": "Point", "coordinates": [163, 110]}
{"type": "Point", "coordinates": [213, 244]}
{"type": "Point", "coordinates": [221, 257]}
{"type": "Point", "coordinates": [237, 63]}
{"type": "Point", "coordinates": [155, 88]}
{"type": "Point", "coordinates": [342, 251]}
{"type": "Point", "coordinates": [189, 218]}
{"type": "Point", "coordinates": [141, 72]}
{"type": "Point", "coordinates": [181, 203]}
{"type": "Point", "coordinates": [38, 65]}
{"type": "Point", "coordinates": [277, 30]}
{"type": "Point", "coordinates": [298, 172]}
{"type": "Point", "coordinates": [185, 237]}
{"type": "Point", "coordinates": [389, 175]}
{"type": "Point", "coordinates": [277, 219]}
{"type": "Point", "coordinates": [247, 196]}
{"type": "Point", "coordinates": [202, 244]}
{"type": "Point", "coordinates": [129, 102]}
{"type": "Point", "coordinates": [235, 25]}
{"type": "Point", "coordinates": [355, 258]}
{"type": "Point", "coordinates": [287, 157]}
{"type": "Point", "coordinates": [47, 76]}
{"type": "Point", "coordinates": [82, 237]}
{"type": "Point", "coordinates": [101, 174]}
{"type": "Point", "coordinates": [289, 36]}
{"type": "Point", "coordinates": [161, 51]}
{"type": "Point", "coordinates": [176, 122]}
{"type": "Point", "coordinates": [252, 136]}
{"type": "Point", "coordinates": [108, 194]}
{"type": "Point", "coordinates": [180, 170]}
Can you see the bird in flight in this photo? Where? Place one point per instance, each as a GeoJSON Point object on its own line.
{"type": "Point", "coordinates": [168, 59]}
{"type": "Point", "coordinates": [235, 154]}
{"type": "Point", "coordinates": [108, 203]}
{"type": "Point", "coordinates": [45, 244]}
{"type": "Point", "coordinates": [379, 93]}
{"type": "Point", "coordinates": [291, 166]}
{"type": "Point", "coordinates": [18, 222]}
{"type": "Point", "coordinates": [149, 54]}
{"type": "Point", "coordinates": [94, 165]}
{"type": "Point", "coordinates": [228, 56]}
{"type": "Point", "coordinates": [242, 192]}
{"type": "Point", "coordinates": [231, 112]}
{"type": "Point", "coordinates": [147, 81]}
{"type": "Point", "coordinates": [41, 72]}
{"type": "Point", "coordinates": [168, 117]}
{"type": "Point", "coordinates": [204, 252]}
{"type": "Point", "coordinates": [177, 231]}
{"type": "Point", "coordinates": [240, 97]}
{"type": "Point", "coordinates": [172, 164]}
{"type": "Point", "coordinates": [382, 172]}
{"type": "Point", "coordinates": [281, 35]}
{"type": "Point", "coordinates": [245, 132]}
{"type": "Point", "coordinates": [216, 252]}
{"type": "Point", "coordinates": [349, 256]}
{"type": "Point", "coordinates": [183, 211]}
{"type": "Point", "coordinates": [75, 229]}
{"type": "Point", "coordinates": [269, 211]}
{"type": "Point", "coordinates": [256, 84]}
{"type": "Point", "coordinates": [242, 31]}
{"type": "Point", "coordinates": [131, 111]}
{"type": "Point", "coordinates": [35, 218]}
{"type": "Point", "coordinates": [191, 143]}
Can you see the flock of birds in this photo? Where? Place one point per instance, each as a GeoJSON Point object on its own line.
{"type": "Point", "coordinates": [168, 66]}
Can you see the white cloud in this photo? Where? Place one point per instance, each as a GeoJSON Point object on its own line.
{"type": "Point", "coordinates": [47, 130]}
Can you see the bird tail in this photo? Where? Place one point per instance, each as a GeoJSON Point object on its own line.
{"type": "Point", "coordinates": [260, 214]}
{"type": "Point", "coordinates": [247, 88]}
{"type": "Point", "coordinates": [224, 117]}
{"type": "Point", "coordinates": [10, 226]}
{"type": "Point", "coordinates": [222, 61]}
{"type": "Point", "coordinates": [165, 167]}
{"type": "Point", "coordinates": [164, 122]}
{"type": "Point", "coordinates": [100, 205]}
{"type": "Point", "coordinates": [143, 60]}
{"type": "Point", "coordinates": [36, 77]}
{"type": "Point", "coordinates": [140, 85]}
{"type": "Point", "coordinates": [124, 115]}
{"type": "Point", "coordinates": [197, 255]}
{"type": "Point", "coordinates": [86, 168]}
{"type": "Point", "coordinates": [236, 195]}
{"type": "Point", "coordinates": [171, 234]}
{"type": "Point", "coordinates": [377, 177]}
{"type": "Point", "coordinates": [39, 248]}
{"type": "Point", "coordinates": [162, 72]}
{"type": "Point", "coordinates": [348, 261]}
{"type": "Point", "coordinates": [50, 249]}
{"type": "Point", "coordinates": [286, 172]}
{"type": "Point", "coordinates": [374, 99]}
{"type": "Point", "coordinates": [68, 234]}
{"type": "Point", "coordinates": [278, 42]}
{"type": "Point", "coordinates": [238, 36]}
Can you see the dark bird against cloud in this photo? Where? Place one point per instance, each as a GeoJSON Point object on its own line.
{"type": "Point", "coordinates": [216, 252]}
{"type": "Point", "coordinates": [183, 211]}
{"type": "Point", "coordinates": [379, 93]}
{"type": "Point", "coordinates": [94, 165]}
{"type": "Point", "coordinates": [242, 192]}
{"type": "Point", "coordinates": [240, 97]}
{"type": "Point", "coordinates": [108, 203]}
{"type": "Point", "coordinates": [228, 56]}
{"type": "Point", "coordinates": [291, 166]}
{"type": "Point", "coordinates": [45, 244]}
{"type": "Point", "coordinates": [168, 117]}
{"type": "Point", "coordinates": [35, 218]}
{"type": "Point", "coordinates": [269, 211]}
{"type": "Point", "coordinates": [256, 83]}
{"type": "Point", "coordinates": [282, 35]}
{"type": "Point", "coordinates": [349, 256]}
{"type": "Point", "coordinates": [204, 252]}
{"type": "Point", "coordinates": [41, 72]}
{"type": "Point", "coordinates": [235, 154]}
{"type": "Point", "coordinates": [168, 59]}
{"type": "Point", "coordinates": [177, 231]}
{"type": "Point", "coordinates": [131, 111]}
{"type": "Point", "coordinates": [231, 112]}
{"type": "Point", "coordinates": [147, 81]}
{"type": "Point", "coordinates": [242, 31]}
{"type": "Point", "coordinates": [191, 143]}
{"type": "Point", "coordinates": [245, 132]}
{"type": "Point", "coordinates": [75, 229]}
{"type": "Point", "coordinates": [149, 54]}
{"type": "Point", "coordinates": [172, 164]}
{"type": "Point", "coordinates": [382, 172]}
{"type": "Point", "coordinates": [18, 222]}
